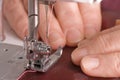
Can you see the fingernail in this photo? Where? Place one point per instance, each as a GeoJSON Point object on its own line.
{"type": "Point", "coordinates": [78, 54]}
{"type": "Point", "coordinates": [90, 63]}
{"type": "Point", "coordinates": [74, 36]}
{"type": "Point", "coordinates": [56, 40]}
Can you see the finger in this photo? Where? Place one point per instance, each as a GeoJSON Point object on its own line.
{"type": "Point", "coordinates": [102, 33]}
{"type": "Point", "coordinates": [91, 15]}
{"type": "Point", "coordinates": [56, 37]}
{"type": "Point", "coordinates": [107, 65]}
{"type": "Point", "coordinates": [16, 16]}
{"type": "Point", "coordinates": [103, 43]}
{"type": "Point", "coordinates": [115, 28]}
{"type": "Point", "coordinates": [71, 22]}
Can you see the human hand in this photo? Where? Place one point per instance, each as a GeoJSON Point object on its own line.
{"type": "Point", "coordinates": [99, 56]}
{"type": "Point", "coordinates": [71, 22]}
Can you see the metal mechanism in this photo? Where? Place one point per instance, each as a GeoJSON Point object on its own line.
{"type": "Point", "coordinates": [40, 57]}
{"type": "Point", "coordinates": [39, 54]}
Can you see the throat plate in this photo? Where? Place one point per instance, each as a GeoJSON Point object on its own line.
{"type": "Point", "coordinates": [12, 61]}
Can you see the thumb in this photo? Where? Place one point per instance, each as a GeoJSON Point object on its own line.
{"type": "Point", "coordinates": [105, 42]}
{"type": "Point", "coordinates": [107, 65]}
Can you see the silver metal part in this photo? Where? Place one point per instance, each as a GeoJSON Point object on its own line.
{"type": "Point", "coordinates": [12, 61]}
{"type": "Point", "coordinates": [39, 54]}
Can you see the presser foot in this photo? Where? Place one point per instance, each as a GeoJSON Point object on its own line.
{"type": "Point", "coordinates": [41, 57]}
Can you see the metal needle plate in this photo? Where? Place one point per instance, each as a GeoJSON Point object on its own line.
{"type": "Point", "coordinates": [12, 61]}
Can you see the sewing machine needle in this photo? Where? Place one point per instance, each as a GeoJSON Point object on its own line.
{"type": "Point", "coordinates": [48, 11]}
{"type": "Point", "coordinates": [47, 22]}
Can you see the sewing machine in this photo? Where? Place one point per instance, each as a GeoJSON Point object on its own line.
{"type": "Point", "coordinates": [36, 55]}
